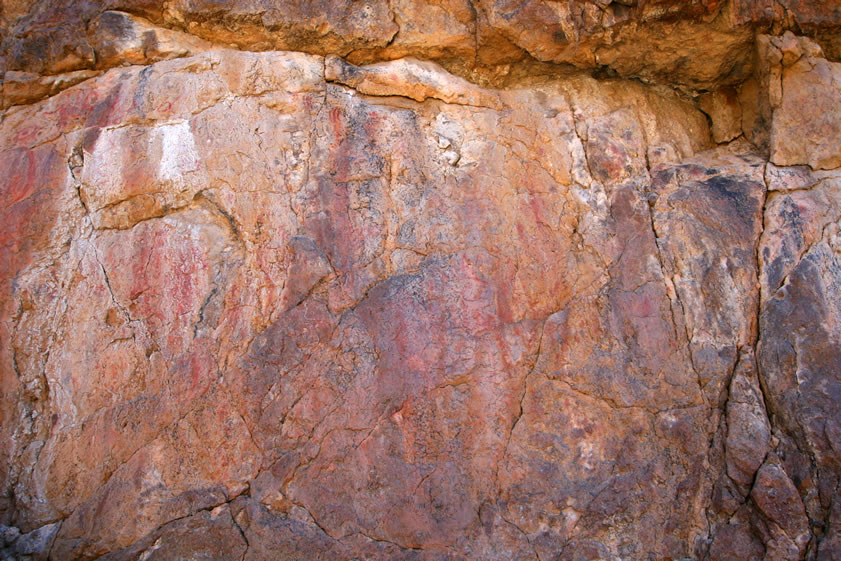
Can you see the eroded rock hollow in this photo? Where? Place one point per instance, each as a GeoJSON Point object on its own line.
{"type": "Point", "coordinates": [400, 280]}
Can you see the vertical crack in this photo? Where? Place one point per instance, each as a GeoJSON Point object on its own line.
{"type": "Point", "coordinates": [114, 300]}
{"type": "Point", "coordinates": [758, 317]}
{"type": "Point", "coordinates": [666, 281]}
{"type": "Point", "coordinates": [526, 536]}
{"type": "Point", "coordinates": [575, 129]}
{"type": "Point", "coordinates": [522, 398]}
{"type": "Point", "coordinates": [242, 535]}
{"type": "Point", "coordinates": [54, 540]}
{"type": "Point", "coordinates": [475, 12]}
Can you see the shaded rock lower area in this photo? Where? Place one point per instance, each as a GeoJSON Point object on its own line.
{"type": "Point", "coordinates": [360, 299]}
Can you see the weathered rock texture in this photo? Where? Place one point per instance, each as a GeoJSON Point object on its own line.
{"type": "Point", "coordinates": [467, 280]}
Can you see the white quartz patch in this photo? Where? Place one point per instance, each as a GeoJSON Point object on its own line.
{"type": "Point", "coordinates": [133, 173]}
{"type": "Point", "coordinates": [177, 149]}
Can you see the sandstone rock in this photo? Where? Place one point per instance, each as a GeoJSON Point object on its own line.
{"type": "Point", "coordinates": [708, 255]}
{"type": "Point", "coordinates": [805, 127]}
{"type": "Point", "coordinates": [748, 429]}
{"type": "Point", "coordinates": [14, 9]}
{"type": "Point", "coordinates": [441, 30]}
{"type": "Point", "coordinates": [48, 39]}
{"type": "Point", "coordinates": [132, 174]}
{"type": "Point", "coordinates": [9, 535]}
{"type": "Point", "coordinates": [410, 78]}
{"type": "Point", "coordinates": [119, 38]}
{"type": "Point", "coordinates": [724, 111]}
{"type": "Point", "coordinates": [796, 218]}
{"type": "Point", "coordinates": [323, 28]}
{"type": "Point", "coordinates": [699, 44]}
{"type": "Point", "coordinates": [737, 540]}
{"type": "Point", "coordinates": [202, 209]}
{"type": "Point", "coordinates": [790, 178]}
{"type": "Point", "coordinates": [829, 548]}
{"type": "Point", "coordinates": [797, 320]}
{"type": "Point", "coordinates": [34, 545]}
{"type": "Point", "coordinates": [20, 88]}
{"type": "Point", "coordinates": [157, 489]}
{"type": "Point", "coordinates": [593, 34]}
{"type": "Point", "coordinates": [777, 113]}
{"type": "Point", "coordinates": [819, 18]}
{"type": "Point", "coordinates": [777, 498]}
{"type": "Point", "coordinates": [208, 534]}
{"type": "Point", "coordinates": [347, 303]}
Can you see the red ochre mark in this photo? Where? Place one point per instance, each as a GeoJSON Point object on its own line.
{"type": "Point", "coordinates": [187, 274]}
{"type": "Point", "coordinates": [84, 106]}
{"type": "Point", "coordinates": [26, 205]}
{"type": "Point", "coordinates": [64, 111]}
{"type": "Point", "coordinates": [196, 368]}
{"type": "Point", "coordinates": [24, 179]}
{"type": "Point", "coordinates": [336, 121]}
{"type": "Point", "coordinates": [538, 208]}
{"type": "Point", "coordinates": [504, 295]}
{"type": "Point", "coordinates": [642, 306]}
{"type": "Point", "coordinates": [373, 123]}
{"type": "Point", "coordinates": [140, 260]}
{"type": "Point", "coordinates": [307, 101]}
{"type": "Point", "coordinates": [26, 135]}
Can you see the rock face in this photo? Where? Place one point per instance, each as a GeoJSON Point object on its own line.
{"type": "Point", "coordinates": [420, 280]}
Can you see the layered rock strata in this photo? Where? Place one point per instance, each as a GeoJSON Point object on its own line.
{"type": "Point", "coordinates": [480, 280]}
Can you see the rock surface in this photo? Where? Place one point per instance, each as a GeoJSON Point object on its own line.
{"type": "Point", "coordinates": [420, 280]}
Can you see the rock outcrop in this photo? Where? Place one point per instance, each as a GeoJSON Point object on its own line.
{"type": "Point", "coordinates": [420, 280]}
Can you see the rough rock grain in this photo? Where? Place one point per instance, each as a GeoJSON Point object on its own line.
{"type": "Point", "coordinates": [435, 282]}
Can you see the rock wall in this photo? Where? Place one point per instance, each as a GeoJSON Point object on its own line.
{"type": "Point", "coordinates": [451, 280]}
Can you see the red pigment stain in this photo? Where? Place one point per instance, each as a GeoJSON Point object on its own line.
{"type": "Point", "coordinates": [23, 180]}
{"type": "Point", "coordinates": [139, 262]}
{"type": "Point", "coordinates": [75, 108]}
{"type": "Point", "coordinates": [372, 125]}
{"type": "Point", "coordinates": [307, 101]}
{"type": "Point", "coordinates": [642, 306]}
{"type": "Point", "coordinates": [195, 371]}
{"type": "Point", "coordinates": [504, 296]}
{"type": "Point", "coordinates": [336, 121]}
{"type": "Point", "coordinates": [500, 342]}
{"type": "Point", "coordinates": [26, 206]}
{"type": "Point", "coordinates": [190, 265]}
{"type": "Point", "coordinates": [72, 107]}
